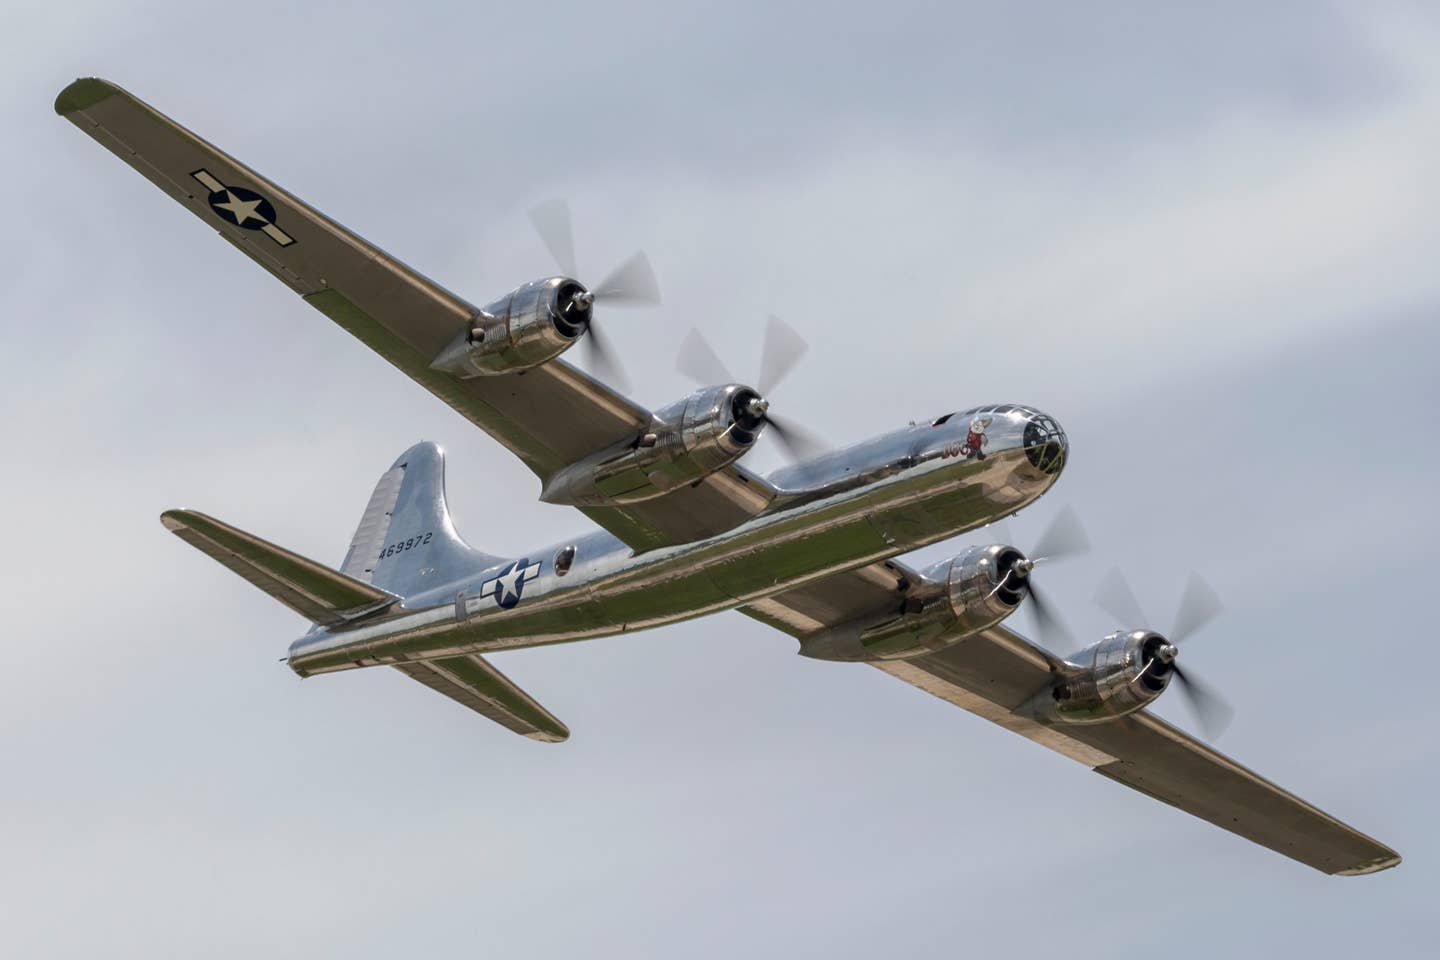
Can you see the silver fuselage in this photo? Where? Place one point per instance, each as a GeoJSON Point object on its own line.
{"type": "Point", "coordinates": [862, 504]}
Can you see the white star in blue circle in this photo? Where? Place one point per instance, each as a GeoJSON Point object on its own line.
{"type": "Point", "coordinates": [244, 208]}
{"type": "Point", "coordinates": [510, 584]}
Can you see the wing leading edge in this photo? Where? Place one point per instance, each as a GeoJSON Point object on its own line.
{"type": "Point", "coordinates": [996, 671]}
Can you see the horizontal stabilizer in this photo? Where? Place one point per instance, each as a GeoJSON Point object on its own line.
{"type": "Point", "coordinates": [472, 682]}
{"type": "Point", "coordinates": [313, 590]}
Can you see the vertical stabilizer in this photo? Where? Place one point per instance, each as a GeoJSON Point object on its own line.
{"type": "Point", "coordinates": [406, 543]}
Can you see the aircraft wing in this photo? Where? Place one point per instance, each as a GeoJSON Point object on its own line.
{"type": "Point", "coordinates": [997, 670]}
{"type": "Point", "coordinates": [833, 600]}
{"type": "Point", "coordinates": [549, 416]}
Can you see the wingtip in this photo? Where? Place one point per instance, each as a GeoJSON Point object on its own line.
{"type": "Point", "coordinates": [83, 94]}
{"type": "Point", "coordinates": [1374, 866]}
{"type": "Point", "coordinates": [173, 520]}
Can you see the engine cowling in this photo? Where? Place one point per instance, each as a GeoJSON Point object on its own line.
{"type": "Point", "coordinates": [954, 599]}
{"type": "Point", "coordinates": [982, 587]}
{"type": "Point", "coordinates": [1109, 679]}
{"type": "Point", "coordinates": [534, 323]}
{"type": "Point", "coordinates": [687, 441]}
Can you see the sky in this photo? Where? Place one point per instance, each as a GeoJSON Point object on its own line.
{"type": "Point", "coordinates": [1202, 237]}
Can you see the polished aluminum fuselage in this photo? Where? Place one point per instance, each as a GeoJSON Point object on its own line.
{"type": "Point", "coordinates": [865, 503]}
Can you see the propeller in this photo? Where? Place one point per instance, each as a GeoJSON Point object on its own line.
{"type": "Point", "coordinates": [1199, 605]}
{"type": "Point", "coordinates": [782, 350]}
{"type": "Point", "coordinates": [1063, 538]}
{"type": "Point", "coordinates": [631, 284]}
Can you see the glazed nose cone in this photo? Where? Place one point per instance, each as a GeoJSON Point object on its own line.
{"type": "Point", "coordinates": [1044, 442]}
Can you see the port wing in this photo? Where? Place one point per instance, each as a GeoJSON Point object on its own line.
{"type": "Point", "coordinates": [995, 672]}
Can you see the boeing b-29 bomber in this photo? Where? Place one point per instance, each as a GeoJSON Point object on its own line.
{"type": "Point", "coordinates": [685, 529]}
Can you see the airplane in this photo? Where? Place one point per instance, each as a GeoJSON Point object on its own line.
{"type": "Point", "coordinates": [684, 530]}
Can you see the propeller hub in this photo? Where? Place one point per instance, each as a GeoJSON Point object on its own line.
{"type": "Point", "coordinates": [1023, 567]}
{"type": "Point", "coordinates": [583, 300]}
{"type": "Point", "coordinates": [1166, 653]}
{"type": "Point", "coordinates": [757, 407]}
{"type": "Point", "coordinates": [748, 409]}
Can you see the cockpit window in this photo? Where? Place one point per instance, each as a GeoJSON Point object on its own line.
{"type": "Point", "coordinates": [941, 419]}
{"type": "Point", "coordinates": [564, 560]}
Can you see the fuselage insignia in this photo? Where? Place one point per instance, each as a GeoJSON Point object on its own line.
{"type": "Point", "coordinates": [509, 585]}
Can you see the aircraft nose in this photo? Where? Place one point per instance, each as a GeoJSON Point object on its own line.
{"type": "Point", "coordinates": [1044, 442]}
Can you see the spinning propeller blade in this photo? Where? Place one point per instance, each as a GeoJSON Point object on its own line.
{"type": "Point", "coordinates": [1198, 606]}
{"type": "Point", "coordinates": [699, 361]}
{"type": "Point", "coordinates": [797, 442]}
{"type": "Point", "coordinates": [1048, 624]}
{"type": "Point", "coordinates": [600, 356]}
{"type": "Point", "coordinates": [551, 220]}
{"type": "Point", "coordinates": [1115, 597]}
{"type": "Point", "coordinates": [632, 284]}
{"type": "Point", "coordinates": [999, 531]}
{"type": "Point", "coordinates": [1211, 711]}
{"type": "Point", "coordinates": [782, 350]}
{"type": "Point", "coordinates": [1065, 537]}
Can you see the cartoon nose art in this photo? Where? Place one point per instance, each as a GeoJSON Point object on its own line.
{"type": "Point", "coordinates": [975, 439]}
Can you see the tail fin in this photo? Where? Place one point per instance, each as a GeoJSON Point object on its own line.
{"type": "Point", "coordinates": [406, 543]}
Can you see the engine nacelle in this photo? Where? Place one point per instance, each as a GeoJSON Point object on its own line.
{"type": "Point", "coordinates": [954, 599]}
{"type": "Point", "coordinates": [982, 587]}
{"type": "Point", "coordinates": [533, 323]}
{"type": "Point", "coordinates": [687, 441]}
{"type": "Point", "coordinates": [1116, 676]}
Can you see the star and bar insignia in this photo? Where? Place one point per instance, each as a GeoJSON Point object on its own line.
{"type": "Point", "coordinates": [507, 587]}
{"type": "Point", "coordinates": [244, 208]}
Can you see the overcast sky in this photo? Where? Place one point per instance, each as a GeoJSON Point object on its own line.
{"type": "Point", "coordinates": [1205, 241]}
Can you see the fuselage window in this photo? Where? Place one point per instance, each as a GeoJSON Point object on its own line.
{"type": "Point", "coordinates": [563, 561]}
{"type": "Point", "coordinates": [940, 420]}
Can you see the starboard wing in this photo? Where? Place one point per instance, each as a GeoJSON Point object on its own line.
{"type": "Point", "coordinates": [550, 416]}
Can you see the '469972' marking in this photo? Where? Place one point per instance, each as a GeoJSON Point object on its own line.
{"type": "Point", "coordinates": [419, 540]}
